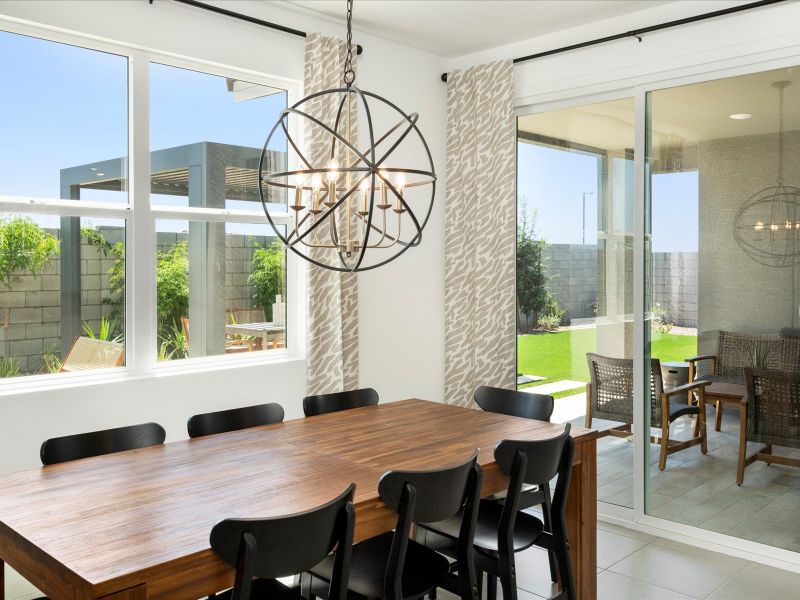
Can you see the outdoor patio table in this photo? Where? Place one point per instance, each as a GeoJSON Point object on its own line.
{"type": "Point", "coordinates": [135, 525]}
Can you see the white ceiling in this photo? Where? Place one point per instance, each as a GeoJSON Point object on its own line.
{"type": "Point", "coordinates": [456, 27]}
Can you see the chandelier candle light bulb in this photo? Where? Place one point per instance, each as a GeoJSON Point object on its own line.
{"type": "Point", "coordinates": [332, 175]}
{"type": "Point", "coordinates": [316, 186]}
{"type": "Point", "coordinates": [400, 184]}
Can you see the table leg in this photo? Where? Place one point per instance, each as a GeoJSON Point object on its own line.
{"type": "Point", "coordinates": [2, 580]}
{"type": "Point", "coordinates": [581, 514]}
{"type": "Point", "coordinates": [135, 593]}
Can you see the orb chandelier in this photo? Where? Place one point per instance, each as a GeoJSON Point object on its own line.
{"type": "Point", "coordinates": [352, 207]}
{"type": "Point", "coordinates": [767, 226]}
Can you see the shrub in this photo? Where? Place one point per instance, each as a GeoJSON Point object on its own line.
{"type": "Point", "coordinates": [172, 283]}
{"type": "Point", "coordinates": [24, 246]}
{"type": "Point", "coordinates": [116, 273]}
{"type": "Point", "coordinates": [267, 275]}
{"type": "Point", "coordinates": [9, 366]}
{"type": "Point", "coordinates": [174, 343]}
{"type": "Point", "coordinates": [549, 322]}
{"type": "Point", "coordinates": [531, 269]}
{"type": "Point", "coordinates": [107, 331]}
{"type": "Point", "coordinates": [51, 361]}
{"type": "Point", "coordinates": [658, 322]}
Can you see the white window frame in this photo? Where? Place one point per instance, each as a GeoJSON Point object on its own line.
{"type": "Point", "coordinates": [140, 223]}
{"type": "Point", "coordinates": [636, 517]}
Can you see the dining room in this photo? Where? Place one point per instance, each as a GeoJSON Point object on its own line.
{"type": "Point", "coordinates": [330, 298]}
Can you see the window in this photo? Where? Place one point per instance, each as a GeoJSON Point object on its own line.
{"type": "Point", "coordinates": [59, 280]}
{"type": "Point", "coordinates": [220, 277]}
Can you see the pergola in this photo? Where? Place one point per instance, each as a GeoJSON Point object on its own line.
{"type": "Point", "coordinates": [208, 174]}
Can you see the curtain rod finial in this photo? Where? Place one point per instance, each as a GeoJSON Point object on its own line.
{"type": "Point", "coordinates": [444, 77]}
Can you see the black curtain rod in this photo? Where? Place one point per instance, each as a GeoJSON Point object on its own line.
{"type": "Point", "coordinates": [249, 19]}
{"type": "Point", "coordinates": [637, 33]}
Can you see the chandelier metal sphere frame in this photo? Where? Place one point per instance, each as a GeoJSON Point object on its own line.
{"type": "Point", "coordinates": [363, 204]}
{"type": "Point", "coordinates": [767, 226]}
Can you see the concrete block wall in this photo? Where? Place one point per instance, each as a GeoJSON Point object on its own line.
{"type": "Point", "coordinates": [572, 269]}
{"type": "Point", "coordinates": [30, 307]}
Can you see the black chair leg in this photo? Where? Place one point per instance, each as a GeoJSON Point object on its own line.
{"type": "Point", "coordinates": [491, 587]}
{"type": "Point", "coordinates": [562, 556]}
{"type": "Point", "coordinates": [508, 582]}
{"type": "Point", "coordinates": [547, 527]}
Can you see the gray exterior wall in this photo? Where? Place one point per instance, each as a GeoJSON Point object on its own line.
{"type": "Point", "coordinates": [574, 281]}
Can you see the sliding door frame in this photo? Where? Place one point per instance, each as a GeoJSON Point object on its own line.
{"type": "Point", "coordinates": [637, 517]}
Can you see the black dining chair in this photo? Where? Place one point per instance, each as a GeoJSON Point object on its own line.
{"type": "Point", "coordinates": [527, 405]}
{"type": "Point", "coordinates": [261, 550]}
{"type": "Point", "coordinates": [328, 403]}
{"type": "Point", "coordinates": [96, 443]}
{"type": "Point", "coordinates": [502, 529]}
{"type": "Point", "coordinates": [392, 566]}
{"type": "Point", "coordinates": [234, 419]}
{"type": "Point", "coordinates": [515, 403]}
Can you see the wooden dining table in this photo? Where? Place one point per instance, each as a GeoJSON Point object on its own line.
{"type": "Point", "coordinates": [135, 525]}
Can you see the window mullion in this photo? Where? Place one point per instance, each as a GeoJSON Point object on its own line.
{"type": "Point", "coordinates": [140, 288]}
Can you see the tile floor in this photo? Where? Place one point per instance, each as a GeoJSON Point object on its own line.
{"type": "Point", "coordinates": [701, 490]}
{"type": "Point", "coordinates": [637, 566]}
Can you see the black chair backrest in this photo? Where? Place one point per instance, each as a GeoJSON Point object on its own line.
{"type": "Point", "coordinates": [234, 419]}
{"type": "Point", "coordinates": [289, 545]}
{"type": "Point", "coordinates": [429, 496]}
{"type": "Point", "coordinates": [543, 456]}
{"type": "Point", "coordinates": [96, 443]}
{"type": "Point", "coordinates": [514, 403]}
{"type": "Point", "coordinates": [328, 403]}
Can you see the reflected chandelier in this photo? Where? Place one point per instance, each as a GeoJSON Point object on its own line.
{"type": "Point", "coordinates": [352, 209]}
{"type": "Point", "coordinates": [767, 227]}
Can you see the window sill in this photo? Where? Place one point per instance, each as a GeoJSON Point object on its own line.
{"type": "Point", "coordinates": [40, 383]}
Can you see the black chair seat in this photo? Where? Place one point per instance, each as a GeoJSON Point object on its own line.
{"type": "Point", "coordinates": [679, 409]}
{"type": "Point", "coordinates": [266, 589]}
{"type": "Point", "coordinates": [424, 569]}
{"type": "Point", "coordinates": [526, 529]}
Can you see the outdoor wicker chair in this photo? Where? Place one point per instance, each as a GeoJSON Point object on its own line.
{"type": "Point", "coordinates": [609, 396]}
{"type": "Point", "coordinates": [90, 353]}
{"type": "Point", "coordinates": [772, 417]}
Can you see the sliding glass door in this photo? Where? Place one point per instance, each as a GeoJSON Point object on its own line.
{"type": "Point", "coordinates": [723, 209]}
{"type": "Point", "coordinates": [676, 266]}
{"type": "Point", "coordinates": [575, 266]}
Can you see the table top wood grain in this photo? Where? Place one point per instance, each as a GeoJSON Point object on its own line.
{"type": "Point", "coordinates": [107, 523]}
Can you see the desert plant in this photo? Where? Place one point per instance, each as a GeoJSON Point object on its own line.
{"type": "Point", "coordinates": [549, 322]}
{"type": "Point", "coordinates": [757, 354]}
{"type": "Point", "coordinates": [9, 366]}
{"type": "Point", "coordinates": [658, 320]}
{"type": "Point", "coordinates": [174, 343]}
{"type": "Point", "coordinates": [51, 361]}
{"type": "Point", "coordinates": [267, 275]}
{"type": "Point", "coordinates": [108, 326]}
{"type": "Point", "coordinates": [24, 245]}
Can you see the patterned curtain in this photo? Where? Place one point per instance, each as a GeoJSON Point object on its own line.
{"type": "Point", "coordinates": [332, 314]}
{"type": "Point", "coordinates": [480, 232]}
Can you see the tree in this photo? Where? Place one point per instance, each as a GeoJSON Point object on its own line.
{"type": "Point", "coordinates": [267, 275]}
{"type": "Point", "coordinates": [24, 246]}
{"type": "Point", "coordinates": [532, 295]}
{"type": "Point", "coordinates": [172, 285]}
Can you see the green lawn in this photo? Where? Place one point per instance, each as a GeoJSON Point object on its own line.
{"type": "Point", "coordinates": [562, 355]}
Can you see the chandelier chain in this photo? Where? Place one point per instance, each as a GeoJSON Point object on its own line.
{"type": "Point", "coordinates": [349, 73]}
{"type": "Point", "coordinates": [780, 136]}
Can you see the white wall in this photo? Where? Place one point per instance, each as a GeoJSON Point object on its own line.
{"type": "Point", "coordinates": [401, 305]}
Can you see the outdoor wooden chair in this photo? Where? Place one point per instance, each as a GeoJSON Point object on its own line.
{"type": "Point", "coordinates": [89, 353]}
{"type": "Point", "coordinates": [609, 395]}
{"type": "Point", "coordinates": [231, 345]}
{"type": "Point", "coordinates": [771, 417]}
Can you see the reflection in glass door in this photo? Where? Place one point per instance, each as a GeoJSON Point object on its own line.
{"type": "Point", "coordinates": [723, 294]}
{"type": "Point", "coordinates": [575, 271]}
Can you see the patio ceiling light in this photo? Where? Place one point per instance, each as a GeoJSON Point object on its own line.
{"type": "Point", "coordinates": [353, 209]}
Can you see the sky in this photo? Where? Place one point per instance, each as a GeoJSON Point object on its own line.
{"type": "Point", "coordinates": [552, 182]}
{"type": "Point", "coordinates": [62, 106]}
